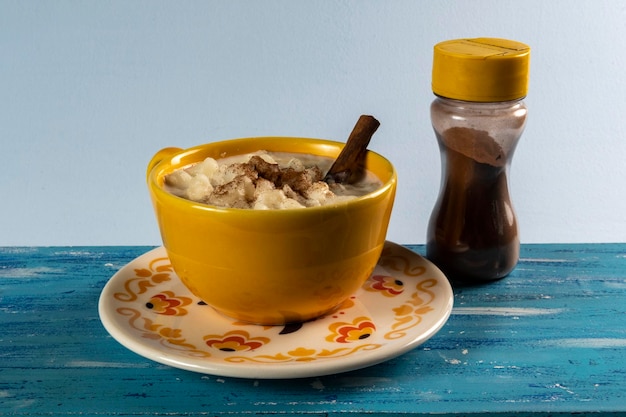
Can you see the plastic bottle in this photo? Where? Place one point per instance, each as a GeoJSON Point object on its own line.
{"type": "Point", "coordinates": [478, 118]}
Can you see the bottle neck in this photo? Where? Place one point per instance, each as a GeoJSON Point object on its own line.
{"type": "Point", "coordinates": [493, 106]}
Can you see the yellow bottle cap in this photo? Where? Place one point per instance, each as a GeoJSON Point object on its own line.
{"type": "Point", "coordinates": [481, 69]}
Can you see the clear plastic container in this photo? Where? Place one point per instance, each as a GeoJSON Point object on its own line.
{"type": "Point", "coordinates": [473, 232]}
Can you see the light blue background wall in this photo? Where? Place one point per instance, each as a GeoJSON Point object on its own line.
{"type": "Point", "coordinates": [89, 90]}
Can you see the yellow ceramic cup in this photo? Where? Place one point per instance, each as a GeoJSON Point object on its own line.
{"type": "Point", "coordinates": [271, 266]}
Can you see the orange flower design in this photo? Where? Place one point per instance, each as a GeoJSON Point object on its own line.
{"type": "Point", "coordinates": [167, 303]}
{"type": "Point", "coordinates": [388, 286]}
{"type": "Point", "coordinates": [342, 332]}
{"type": "Point", "coordinates": [235, 341]}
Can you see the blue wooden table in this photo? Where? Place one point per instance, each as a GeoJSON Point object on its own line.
{"type": "Point", "coordinates": [550, 339]}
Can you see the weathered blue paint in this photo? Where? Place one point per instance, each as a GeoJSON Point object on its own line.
{"type": "Point", "coordinates": [550, 339]}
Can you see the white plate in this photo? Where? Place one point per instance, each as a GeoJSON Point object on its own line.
{"type": "Point", "coordinates": [147, 309]}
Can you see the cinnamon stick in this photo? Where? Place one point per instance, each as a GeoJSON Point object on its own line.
{"type": "Point", "coordinates": [350, 164]}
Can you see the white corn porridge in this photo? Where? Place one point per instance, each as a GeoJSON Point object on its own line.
{"type": "Point", "coordinates": [264, 180]}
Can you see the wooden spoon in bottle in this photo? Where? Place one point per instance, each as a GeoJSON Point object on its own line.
{"type": "Point", "coordinates": [349, 167]}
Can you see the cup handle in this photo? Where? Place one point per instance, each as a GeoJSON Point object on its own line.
{"type": "Point", "coordinates": [159, 156]}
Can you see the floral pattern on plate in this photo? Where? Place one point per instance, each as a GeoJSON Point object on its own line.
{"type": "Point", "coordinates": [146, 308]}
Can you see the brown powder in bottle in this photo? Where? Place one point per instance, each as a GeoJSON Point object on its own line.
{"type": "Point", "coordinates": [473, 230]}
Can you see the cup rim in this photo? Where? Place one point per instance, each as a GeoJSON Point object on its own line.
{"type": "Point", "coordinates": [156, 172]}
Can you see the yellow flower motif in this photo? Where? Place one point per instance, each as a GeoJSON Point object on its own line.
{"type": "Point", "coordinates": [235, 341]}
{"type": "Point", "coordinates": [411, 312]}
{"type": "Point", "coordinates": [403, 310]}
{"type": "Point", "coordinates": [301, 352]}
{"type": "Point", "coordinates": [158, 272]}
{"type": "Point", "coordinates": [169, 333]}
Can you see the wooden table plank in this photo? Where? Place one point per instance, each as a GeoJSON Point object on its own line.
{"type": "Point", "coordinates": [548, 339]}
